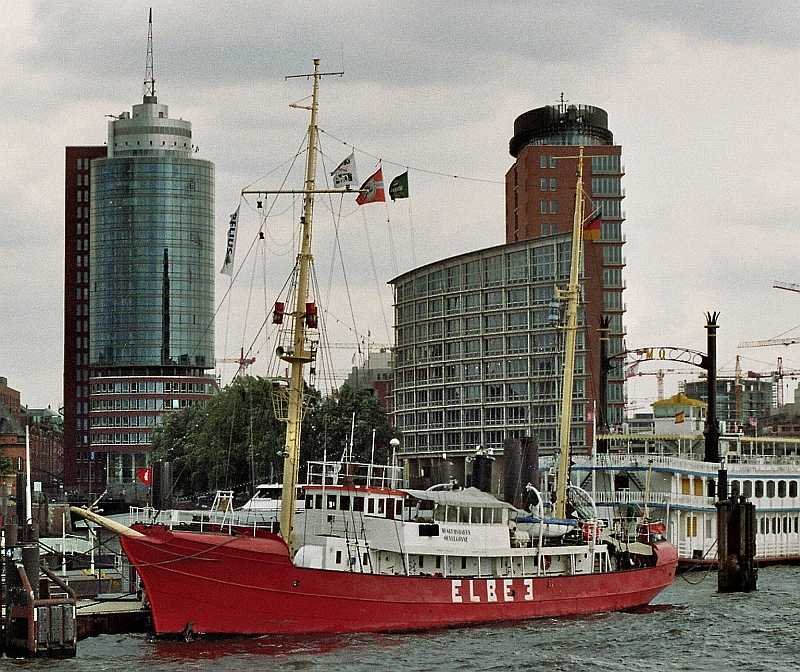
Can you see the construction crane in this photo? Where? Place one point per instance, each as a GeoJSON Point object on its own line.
{"type": "Point", "coordinates": [354, 346]}
{"type": "Point", "coordinates": [777, 377]}
{"type": "Point", "coordinates": [241, 360]}
{"type": "Point", "coordinates": [788, 286]}
{"type": "Point", "coordinates": [769, 342]}
{"type": "Point", "coordinates": [660, 374]}
{"type": "Point", "coordinates": [780, 340]}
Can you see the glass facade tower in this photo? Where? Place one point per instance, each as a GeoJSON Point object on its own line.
{"type": "Point", "coordinates": [151, 297]}
{"type": "Point", "coordinates": [152, 262]}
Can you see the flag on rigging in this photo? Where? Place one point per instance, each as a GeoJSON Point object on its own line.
{"type": "Point", "coordinates": [145, 475]}
{"type": "Point", "coordinates": [399, 187]}
{"type": "Point", "coordinates": [345, 173]}
{"type": "Point", "coordinates": [372, 189]}
{"type": "Point", "coordinates": [230, 250]}
{"type": "Point", "coordinates": [592, 227]}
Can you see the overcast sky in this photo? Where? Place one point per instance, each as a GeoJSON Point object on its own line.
{"type": "Point", "coordinates": [702, 98]}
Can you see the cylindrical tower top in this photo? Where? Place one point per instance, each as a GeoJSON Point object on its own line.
{"type": "Point", "coordinates": [149, 131]}
{"type": "Point", "coordinates": [563, 124]}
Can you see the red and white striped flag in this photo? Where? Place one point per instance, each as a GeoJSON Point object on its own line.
{"type": "Point", "coordinates": [372, 189]}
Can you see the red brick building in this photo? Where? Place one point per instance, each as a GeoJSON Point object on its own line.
{"type": "Point", "coordinates": [540, 197]}
{"type": "Point", "coordinates": [77, 186]}
{"type": "Point", "coordinates": [46, 440]}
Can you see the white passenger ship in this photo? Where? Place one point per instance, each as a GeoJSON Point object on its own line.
{"type": "Point", "coordinates": [667, 475]}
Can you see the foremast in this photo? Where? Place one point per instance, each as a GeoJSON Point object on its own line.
{"type": "Point", "coordinates": [572, 295]}
{"type": "Point", "coordinates": [299, 355]}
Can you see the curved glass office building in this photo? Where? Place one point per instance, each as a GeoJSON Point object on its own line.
{"type": "Point", "coordinates": [151, 292]}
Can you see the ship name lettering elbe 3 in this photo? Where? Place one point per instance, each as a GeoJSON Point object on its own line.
{"type": "Point", "coordinates": [491, 590]}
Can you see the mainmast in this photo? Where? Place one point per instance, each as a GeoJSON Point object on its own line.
{"type": "Point", "coordinates": [299, 356]}
{"type": "Point", "coordinates": [571, 294]}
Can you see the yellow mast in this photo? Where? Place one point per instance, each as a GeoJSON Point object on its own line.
{"type": "Point", "coordinates": [571, 294]}
{"type": "Point", "coordinates": [299, 356]}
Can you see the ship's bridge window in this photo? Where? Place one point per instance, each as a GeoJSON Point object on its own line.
{"type": "Point", "coordinates": [370, 505]}
{"type": "Point", "coordinates": [381, 506]}
{"type": "Point", "coordinates": [793, 489]}
{"type": "Point", "coordinates": [344, 502]}
{"type": "Point", "coordinates": [781, 488]}
{"type": "Point", "coordinates": [747, 488]}
{"type": "Point", "coordinates": [439, 512]}
{"type": "Point", "coordinates": [331, 502]}
{"type": "Point", "coordinates": [488, 515]}
{"type": "Point", "coordinates": [770, 488]}
{"type": "Point", "coordinates": [317, 501]}
{"type": "Point", "coordinates": [452, 514]}
{"type": "Point", "coordinates": [309, 501]}
{"type": "Point", "coordinates": [734, 488]}
{"type": "Point", "coordinates": [761, 526]}
{"type": "Point", "coordinates": [358, 503]}
{"type": "Point", "coordinates": [463, 514]}
{"type": "Point", "coordinates": [759, 488]}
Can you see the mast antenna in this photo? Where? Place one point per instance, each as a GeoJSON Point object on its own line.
{"type": "Point", "coordinates": [149, 79]}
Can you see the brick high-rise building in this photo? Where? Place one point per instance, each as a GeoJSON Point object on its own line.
{"type": "Point", "coordinates": [479, 353]}
{"type": "Point", "coordinates": [540, 197]}
{"type": "Point", "coordinates": [77, 223]}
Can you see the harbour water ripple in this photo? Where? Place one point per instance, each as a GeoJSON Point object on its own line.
{"type": "Point", "coordinates": [689, 628]}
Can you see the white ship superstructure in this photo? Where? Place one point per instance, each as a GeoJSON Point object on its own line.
{"type": "Point", "coordinates": [666, 473]}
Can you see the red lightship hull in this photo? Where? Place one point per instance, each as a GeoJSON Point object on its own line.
{"type": "Point", "coordinates": [216, 584]}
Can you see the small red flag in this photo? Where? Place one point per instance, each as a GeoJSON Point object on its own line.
{"type": "Point", "coordinates": [374, 189]}
{"type": "Point", "coordinates": [145, 475]}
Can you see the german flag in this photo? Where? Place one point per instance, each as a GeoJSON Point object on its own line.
{"type": "Point", "coordinates": [592, 226]}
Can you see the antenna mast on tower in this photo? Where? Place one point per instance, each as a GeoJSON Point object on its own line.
{"type": "Point", "coordinates": [149, 78]}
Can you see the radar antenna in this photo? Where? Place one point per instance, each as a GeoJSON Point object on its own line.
{"type": "Point", "coordinates": [149, 94]}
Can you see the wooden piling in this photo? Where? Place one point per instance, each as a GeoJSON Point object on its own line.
{"type": "Point", "coordinates": [736, 546]}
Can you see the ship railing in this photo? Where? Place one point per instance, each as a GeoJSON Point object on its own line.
{"type": "Point", "coordinates": [697, 549]}
{"type": "Point", "coordinates": [784, 545]}
{"type": "Point", "coordinates": [658, 499]}
{"type": "Point", "coordinates": [354, 473]}
{"type": "Point", "coordinates": [204, 519]}
{"type": "Point", "coordinates": [751, 463]}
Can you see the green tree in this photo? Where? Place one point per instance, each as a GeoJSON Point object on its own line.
{"type": "Point", "coordinates": [235, 437]}
{"type": "Point", "coordinates": [328, 425]}
{"type": "Point", "coordinates": [210, 445]}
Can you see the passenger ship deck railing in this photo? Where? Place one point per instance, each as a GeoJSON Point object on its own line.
{"type": "Point", "coordinates": [659, 499]}
{"type": "Point", "coordinates": [759, 449]}
{"type": "Point", "coordinates": [756, 464]}
{"type": "Point", "coordinates": [354, 473]}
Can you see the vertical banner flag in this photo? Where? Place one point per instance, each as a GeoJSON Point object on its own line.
{"type": "Point", "coordinates": [372, 189]}
{"type": "Point", "coordinates": [399, 187]}
{"type": "Point", "coordinates": [230, 250]}
{"type": "Point", "coordinates": [345, 173]}
{"type": "Point", "coordinates": [592, 227]}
